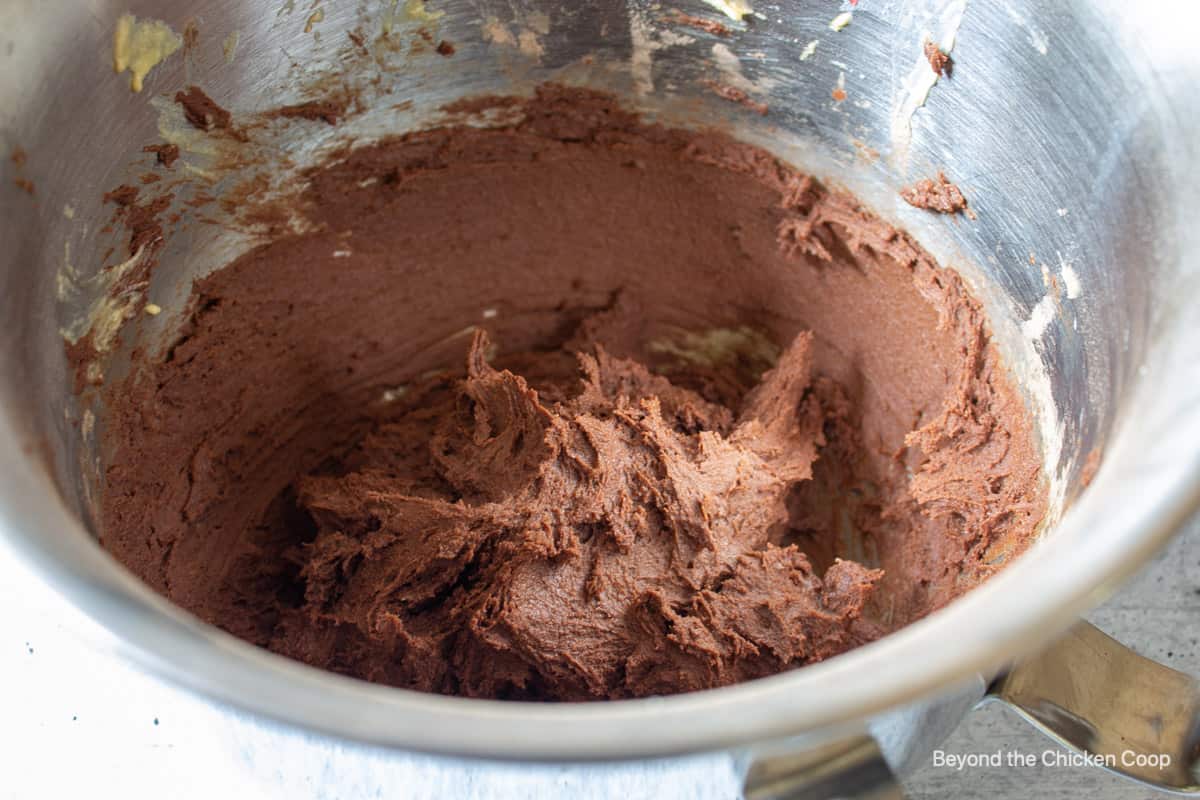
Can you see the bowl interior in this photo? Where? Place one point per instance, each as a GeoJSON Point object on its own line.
{"type": "Point", "coordinates": [1058, 125]}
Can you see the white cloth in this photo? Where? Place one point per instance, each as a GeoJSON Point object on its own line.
{"type": "Point", "coordinates": [80, 721]}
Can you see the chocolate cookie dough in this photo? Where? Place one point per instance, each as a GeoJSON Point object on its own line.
{"type": "Point", "coordinates": [938, 195]}
{"type": "Point", "coordinates": [575, 407]}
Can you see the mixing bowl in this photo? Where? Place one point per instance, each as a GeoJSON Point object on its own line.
{"type": "Point", "coordinates": [1073, 128]}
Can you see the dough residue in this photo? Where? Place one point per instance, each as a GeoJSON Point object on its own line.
{"type": "Point", "coordinates": [141, 45]}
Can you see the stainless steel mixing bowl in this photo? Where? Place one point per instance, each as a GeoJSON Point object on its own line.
{"type": "Point", "coordinates": [1074, 129]}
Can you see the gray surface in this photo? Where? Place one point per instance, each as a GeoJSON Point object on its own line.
{"type": "Point", "coordinates": [1158, 615]}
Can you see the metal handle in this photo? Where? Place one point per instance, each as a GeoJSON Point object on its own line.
{"type": "Point", "coordinates": [852, 768]}
{"type": "Point", "coordinates": [1090, 692]}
